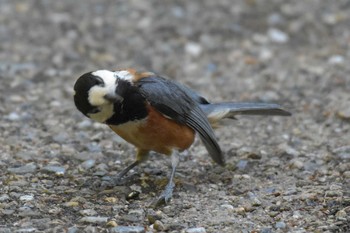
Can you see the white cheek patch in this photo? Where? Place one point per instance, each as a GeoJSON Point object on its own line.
{"type": "Point", "coordinates": [97, 93]}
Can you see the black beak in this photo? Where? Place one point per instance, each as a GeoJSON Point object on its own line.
{"type": "Point", "coordinates": [114, 98]}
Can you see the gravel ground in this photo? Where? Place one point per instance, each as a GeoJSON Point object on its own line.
{"type": "Point", "coordinates": [282, 174]}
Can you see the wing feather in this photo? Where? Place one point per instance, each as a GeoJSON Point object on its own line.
{"type": "Point", "coordinates": [182, 105]}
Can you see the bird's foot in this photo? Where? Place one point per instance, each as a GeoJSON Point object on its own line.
{"type": "Point", "coordinates": [165, 196]}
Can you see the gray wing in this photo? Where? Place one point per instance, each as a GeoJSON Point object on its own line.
{"type": "Point", "coordinates": [182, 105]}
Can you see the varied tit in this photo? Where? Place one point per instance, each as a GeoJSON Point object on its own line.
{"type": "Point", "coordinates": [157, 114]}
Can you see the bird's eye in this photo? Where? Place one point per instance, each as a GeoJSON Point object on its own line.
{"type": "Point", "coordinates": [99, 81]}
{"type": "Point", "coordinates": [95, 110]}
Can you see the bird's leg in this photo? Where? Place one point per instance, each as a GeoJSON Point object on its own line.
{"type": "Point", "coordinates": [168, 191]}
{"type": "Point", "coordinates": [141, 156]}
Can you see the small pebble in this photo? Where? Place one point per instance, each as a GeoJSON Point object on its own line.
{"type": "Point", "coordinates": [275, 19]}
{"type": "Point", "coordinates": [152, 216]}
{"type": "Point", "coordinates": [242, 164]}
{"type": "Point", "coordinates": [277, 36]}
{"type": "Point", "coordinates": [266, 230]}
{"type": "Point", "coordinates": [342, 152]}
{"type": "Point", "coordinates": [26, 198]}
{"type": "Point", "coordinates": [134, 215]}
{"type": "Point", "coordinates": [4, 197]}
{"type": "Point", "coordinates": [132, 195]}
{"type": "Point", "coordinates": [73, 230]}
{"type": "Point", "coordinates": [346, 174]}
{"type": "Point", "coordinates": [86, 165]}
{"type": "Point", "coordinates": [158, 225]}
{"type": "Point", "coordinates": [344, 114]}
{"type": "Point", "coordinates": [60, 138]}
{"type": "Point", "coordinates": [297, 215]}
{"type": "Point", "coordinates": [295, 163]}
{"type": "Point", "coordinates": [13, 116]}
{"type": "Point", "coordinates": [336, 60]}
{"type": "Point", "coordinates": [59, 171]}
{"type": "Point", "coordinates": [71, 204]}
{"type": "Point", "coordinates": [341, 215]}
{"type": "Point", "coordinates": [128, 229]}
{"type": "Point", "coordinates": [239, 210]}
{"type": "Point", "coordinates": [26, 211]}
{"type": "Point", "coordinates": [290, 191]}
{"type": "Point", "coordinates": [254, 198]}
{"type": "Point", "coordinates": [102, 167]}
{"type": "Point", "coordinates": [137, 212]}
{"type": "Point", "coordinates": [196, 230]}
{"type": "Point", "coordinates": [111, 199]}
{"type": "Point", "coordinates": [7, 212]}
{"type": "Point", "coordinates": [88, 212]}
{"type": "Point", "coordinates": [193, 49]}
{"type": "Point", "coordinates": [28, 168]}
{"type": "Point", "coordinates": [90, 229]}
{"type": "Point", "coordinates": [94, 147]}
{"type": "Point", "coordinates": [280, 225]}
{"type": "Point", "coordinates": [265, 54]}
{"type": "Point", "coordinates": [273, 213]}
{"type": "Point", "coordinates": [227, 207]}
{"type": "Point", "coordinates": [84, 124]}
{"type": "Point", "coordinates": [291, 151]}
{"type": "Point", "coordinates": [112, 223]}
{"type": "Point", "coordinates": [25, 230]}
{"type": "Point", "coordinates": [178, 11]}
{"type": "Point", "coordinates": [92, 219]}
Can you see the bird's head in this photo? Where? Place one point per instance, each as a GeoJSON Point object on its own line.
{"type": "Point", "coordinates": [96, 94]}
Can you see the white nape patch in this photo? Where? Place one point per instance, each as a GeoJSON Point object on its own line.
{"type": "Point", "coordinates": [97, 93]}
{"type": "Point", "coordinates": [124, 74]}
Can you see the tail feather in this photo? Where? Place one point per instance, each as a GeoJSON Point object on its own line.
{"type": "Point", "coordinates": [216, 112]}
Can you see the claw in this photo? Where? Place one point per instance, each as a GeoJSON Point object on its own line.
{"type": "Point", "coordinates": [165, 196]}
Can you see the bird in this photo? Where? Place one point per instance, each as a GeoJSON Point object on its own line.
{"type": "Point", "coordinates": [158, 114]}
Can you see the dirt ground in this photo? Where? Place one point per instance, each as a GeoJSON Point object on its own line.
{"type": "Point", "coordinates": [283, 174]}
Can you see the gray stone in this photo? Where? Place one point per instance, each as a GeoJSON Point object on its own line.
{"type": "Point", "coordinates": [73, 229]}
{"type": "Point", "coordinates": [193, 49]}
{"type": "Point", "coordinates": [227, 207]}
{"type": "Point", "coordinates": [242, 164]}
{"type": "Point", "coordinates": [128, 229]}
{"type": "Point", "coordinates": [4, 197]}
{"type": "Point", "coordinates": [25, 198]}
{"type": "Point", "coordinates": [28, 168]}
{"type": "Point", "coordinates": [336, 60]}
{"type": "Point", "coordinates": [7, 212]}
{"type": "Point", "coordinates": [277, 35]}
{"type": "Point", "coordinates": [158, 225]}
{"type": "Point", "coordinates": [342, 152]}
{"type": "Point", "coordinates": [26, 211]}
{"type": "Point", "coordinates": [25, 230]}
{"type": "Point", "coordinates": [61, 137]}
{"type": "Point", "coordinates": [266, 230]}
{"type": "Point", "coordinates": [13, 116]}
{"type": "Point", "coordinates": [196, 230]}
{"type": "Point", "coordinates": [88, 212]}
{"type": "Point", "coordinates": [88, 164]}
{"type": "Point", "coordinates": [280, 225]}
{"type": "Point", "coordinates": [58, 170]}
{"type": "Point", "coordinates": [94, 219]}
